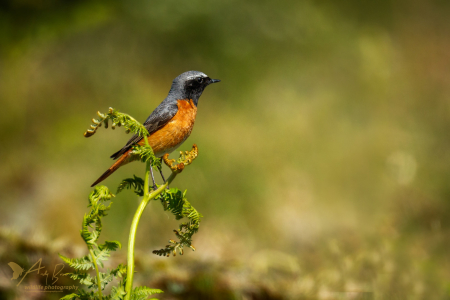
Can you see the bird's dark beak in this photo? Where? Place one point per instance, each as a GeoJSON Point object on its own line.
{"type": "Point", "coordinates": [213, 81]}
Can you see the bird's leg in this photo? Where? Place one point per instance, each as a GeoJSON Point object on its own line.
{"type": "Point", "coordinates": [162, 176]}
{"type": "Point", "coordinates": [153, 178]}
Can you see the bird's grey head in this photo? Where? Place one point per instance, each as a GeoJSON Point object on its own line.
{"type": "Point", "coordinates": [190, 85]}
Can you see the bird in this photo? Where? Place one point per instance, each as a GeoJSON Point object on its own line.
{"type": "Point", "coordinates": [170, 124]}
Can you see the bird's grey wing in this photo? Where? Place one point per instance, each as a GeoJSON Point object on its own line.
{"type": "Point", "coordinates": [159, 117]}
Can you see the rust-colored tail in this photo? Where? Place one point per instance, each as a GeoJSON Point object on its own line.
{"type": "Point", "coordinates": [112, 169]}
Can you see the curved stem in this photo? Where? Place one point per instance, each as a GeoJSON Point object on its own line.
{"type": "Point", "coordinates": [131, 242]}
{"type": "Point", "coordinates": [99, 284]}
{"type": "Point", "coordinates": [134, 225]}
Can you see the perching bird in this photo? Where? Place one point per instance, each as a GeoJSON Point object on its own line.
{"type": "Point", "coordinates": [170, 124]}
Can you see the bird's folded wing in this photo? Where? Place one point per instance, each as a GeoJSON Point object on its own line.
{"type": "Point", "coordinates": [159, 117]}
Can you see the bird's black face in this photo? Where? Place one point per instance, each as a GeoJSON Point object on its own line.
{"type": "Point", "coordinates": [190, 85]}
{"type": "Point", "coordinates": [195, 85]}
{"type": "Point", "coordinates": [199, 83]}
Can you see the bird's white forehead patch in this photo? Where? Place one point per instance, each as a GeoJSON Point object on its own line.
{"type": "Point", "coordinates": [197, 76]}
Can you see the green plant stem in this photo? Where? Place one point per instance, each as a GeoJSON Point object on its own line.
{"type": "Point", "coordinates": [98, 274]}
{"type": "Point", "coordinates": [134, 225]}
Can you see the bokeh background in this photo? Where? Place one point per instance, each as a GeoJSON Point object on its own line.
{"type": "Point", "coordinates": [324, 160]}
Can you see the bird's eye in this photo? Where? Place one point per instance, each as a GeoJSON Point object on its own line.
{"type": "Point", "coordinates": [200, 80]}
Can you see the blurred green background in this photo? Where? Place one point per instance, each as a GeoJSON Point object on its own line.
{"type": "Point", "coordinates": [324, 161]}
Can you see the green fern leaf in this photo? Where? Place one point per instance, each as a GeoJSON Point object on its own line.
{"type": "Point", "coordinates": [175, 201]}
{"type": "Point", "coordinates": [119, 271]}
{"type": "Point", "coordinates": [83, 295]}
{"type": "Point", "coordinates": [82, 277]}
{"type": "Point", "coordinates": [100, 193]}
{"type": "Point", "coordinates": [117, 119]}
{"type": "Point", "coordinates": [117, 293]}
{"type": "Point", "coordinates": [142, 292]}
{"type": "Point", "coordinates": [104, 250]}
{"type": "Point", "coordinates": [110, 245]}
{"type": "Point", "coordinates": [70, 297]}
{"type": "Point", "coordinates": [145, 153]}
{"type": "Point", "coordinates": [83, 263]}
{"type": "Point", "coordinates": [136, 183]}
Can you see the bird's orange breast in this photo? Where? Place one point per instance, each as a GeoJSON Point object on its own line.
{"type": "Point", "coordinates": [176, 131]}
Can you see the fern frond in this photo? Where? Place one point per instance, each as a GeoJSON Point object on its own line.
{"type": "Point", "coordinates": [90, 237]}
{"type": "Point", "coordinates": [105, 278]}
{"type": "Point", "coordinates": [104, 251]}
{"type": "Point", "coordinates": [100, 193]}
{"type": "Point", "coordinates": [191, 213]}
{"type": "Point", "coordinates": [117, 293]}
{"type": "Point", "coordinates": [83, 295]}
{"type": "Point", "coordinates": [185, 159]}
{"type": "Point", "coordinates": [145, 153]}
{"type": "Point", "coordinates": [117, 119]}
{"type": "Point", "coordinates": [175, 201]}
{"type": "Point", "coordinates": [142, 292]}
{"type": "Point", "coordinates": [70, 297]}
{"type": "Point", "coordinates": [110, 245]}
{"type": "Point", "coordinates": [119, 271]}
{"type": "Point", "coordinates": [83, 263]}
{"type": "Point", "coordinates": [83, 277]}
{"type": "Point", "coordinates": [97, 199]}
{"type": "Point", "coordinates": [135, 183]}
